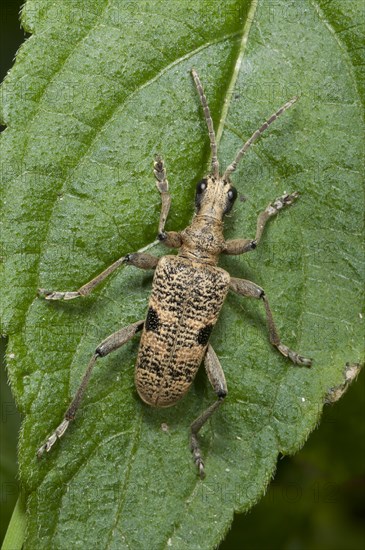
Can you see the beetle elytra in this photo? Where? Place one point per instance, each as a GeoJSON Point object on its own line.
{"type": "Point", "coordinates": [187, 294]}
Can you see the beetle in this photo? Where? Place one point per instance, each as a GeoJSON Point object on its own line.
{"type": "Point", "coordinates": [187, 294]}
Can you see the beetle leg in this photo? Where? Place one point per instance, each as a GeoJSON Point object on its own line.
{"type": "Point", "coordinates": [217, 379]}
{"type": "Point", "coordinates": [163, 187]}
{"type": "Point", "coordinates": [240, 246]}
{"type": "Point", "coordinates": [112, 343]}
{"type": "Point", "coordinates": [251, 290]}
{"type": "Point", "coordinates": [172, 239]}
{"type": "Point", "coordinates": [138, 259]}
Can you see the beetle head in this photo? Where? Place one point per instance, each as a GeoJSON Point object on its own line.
{"type": "Point", "coordinates": [214, 197]}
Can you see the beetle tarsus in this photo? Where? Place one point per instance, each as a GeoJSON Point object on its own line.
{"type": "Point", "coordinates": [57, 434]}
{"type": "Point", "coordinates": [58, 295]}
{"type": "Point", "coordinates": [294, 356]}
{"type": "Point", "coordinates": [197, 456]}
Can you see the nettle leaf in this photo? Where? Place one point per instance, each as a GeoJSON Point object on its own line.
{"type": "Point", "coordinates": [96, 91]}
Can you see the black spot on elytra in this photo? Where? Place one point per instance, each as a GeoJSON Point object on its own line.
{"type": "Point", "coordinates": [203, 335]}
{"type": "Point", "coordinates": [152, 320]}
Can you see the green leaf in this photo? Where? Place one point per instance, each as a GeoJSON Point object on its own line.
{"type": "Point", "coordinates": [15, 534]}
{"type": "Point", "coordinates": [94, 94]}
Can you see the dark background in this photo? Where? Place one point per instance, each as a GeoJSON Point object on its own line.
{"type": "Point", "coordinates": [316, 501]}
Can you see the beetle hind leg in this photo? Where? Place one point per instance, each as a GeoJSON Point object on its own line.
{"type": "Point", "coordinates": [217, 379]}
{"type": "Point", "coordinates": [112, 343]}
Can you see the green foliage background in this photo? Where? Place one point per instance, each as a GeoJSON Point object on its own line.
{"type": "Point", "coordinates": [69, 218]}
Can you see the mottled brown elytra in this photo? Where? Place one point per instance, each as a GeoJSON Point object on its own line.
{"type": "Point", "coordinates": [188, 292]}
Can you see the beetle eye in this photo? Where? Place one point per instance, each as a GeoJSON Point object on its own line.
{"type": "Point", "coordinates": [201, 187]}
{"type": "Point", "coordinates": [232, 194]}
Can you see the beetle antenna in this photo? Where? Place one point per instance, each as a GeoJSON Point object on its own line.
{"type": "Point", "coordinates": [232, 167]}
{"type": "Point", "coordinates": [209, 121]}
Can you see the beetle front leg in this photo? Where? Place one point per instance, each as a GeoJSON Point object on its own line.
{"type": "Point", "coordinates": [240, 246]}
{"type": "Point", "coordinates": [217, 379]}
{"type": "Point", "coordinates": [163, 187]}
{"type": "Point", "coordinates": [171, 239]}
{"type": "Point", "coordinates": [112, 343]}
{"type": "Point", "coordinates": [251, 290]}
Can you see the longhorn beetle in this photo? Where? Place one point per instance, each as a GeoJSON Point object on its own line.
{"type": "Point", "coordinates": [188, 292]}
